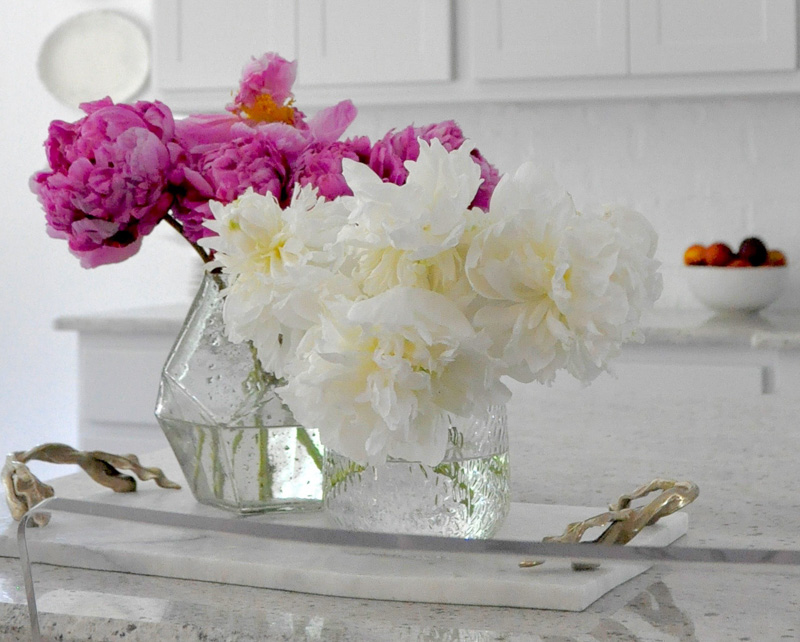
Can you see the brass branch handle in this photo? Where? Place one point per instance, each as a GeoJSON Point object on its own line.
{"type": "Point", "coordinates": [624, 523]}
{"type": "Point", "coordinates": [24, 490]}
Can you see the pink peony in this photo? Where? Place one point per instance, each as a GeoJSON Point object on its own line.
{"type": "Point", "coordinates": [389, 155]}
{"type": "Point", "coordinates": [261, 158]}
{"type": "Point", "coordinates": [107, 186]}
{"type": "Point", "coordinates": [116, 173]}
{"type": "Point", "coordinates": [265, 91]}
{"type": "Point", "coordinates": [256, 145]}
{"type": "Point", "coordinates": [320, 165]}
{"type": "Point", "coordinates": [265, 96]}
{"type": "Point", "coordinates": [330, 123]}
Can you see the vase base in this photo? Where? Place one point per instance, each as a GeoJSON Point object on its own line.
{"type": "Point", "coordinates": [256, 508]}
{"type": "Point", "coordinates": [467, 498]}
{"type": "Point", "coordinates": [248, 470]}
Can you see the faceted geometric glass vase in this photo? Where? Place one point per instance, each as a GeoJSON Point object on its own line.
{"type": "Point", "coordinates": [237, 443]}
{"type": "Point", "coordinates": [467, 495]}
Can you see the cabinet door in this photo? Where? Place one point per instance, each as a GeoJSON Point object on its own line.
{"type": "Point", "coordinates": [548, 38]}
{"type": "Point", "coordinates": [687, 36]}
{"type": "Point", "coordinates": [373, 41]}
{"type": "Point", "coordinates": [204, 45]}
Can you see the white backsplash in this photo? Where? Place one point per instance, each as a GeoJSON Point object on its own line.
{"type": "Point", "coordinates": [701, 170]}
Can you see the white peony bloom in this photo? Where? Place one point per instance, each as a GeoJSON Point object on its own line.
{"type": "Point", "coordinates": [408, 235]}
{"type": "Point", "coordinates": [562, 289]}
{"type": "Point", "coordinates": [279, 266]}
{"type": "Point", "coordinates": [384, 379]}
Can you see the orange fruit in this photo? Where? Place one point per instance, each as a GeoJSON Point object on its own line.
{"type": "Point", "coordinates": [739, 263]}
{"type": "Point", "coordinates": [695, 255]}
{"type": "Point", "coordinates": [776, 257]}
{"type": "Point", "coordinates": [719, 254]}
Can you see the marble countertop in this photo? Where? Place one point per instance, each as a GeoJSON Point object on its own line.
{"type": "Point", "coordinates": [766, 330]}
{"type": "Point", "coordinates": [567, 448]}
{"type": "Point", "coordinates": [166, 319]}
{"type": "Point", "coordinates": [779, 330]}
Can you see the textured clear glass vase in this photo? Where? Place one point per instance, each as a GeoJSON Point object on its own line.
{"type": "Point", "coordinates": [467, 495]}
{"type": "Point", "coordinates": [237, 443]}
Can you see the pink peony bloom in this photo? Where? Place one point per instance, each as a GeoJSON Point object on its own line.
{"type": "Point", "coordinates": [389, 155]}
{"type": "Point", "coordinates": [490, 176]}
{"type": "Point", "coordinates": [116, 173]}
{"type": "Point", "coordinates": [261, 158]}
{"type": "Point", "coordinates": [265, 96]}
{"type": "Point", "coordinates": [108, 181]}
{"type": "Point", "coordinates": [320, 165]}
{"type": "Point", "coordinates": [224, 155]}
{"type": "Point", "coordinates": [256, 145]}
{"type": "Point", "coordinates": [330, 123]}
{"type": "Point", "coordinates": [265, 91]}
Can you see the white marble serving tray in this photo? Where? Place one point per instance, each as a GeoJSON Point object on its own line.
{"type": "Point", "coordinates": [477, 579]}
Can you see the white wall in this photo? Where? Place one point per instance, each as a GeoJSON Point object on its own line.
{"type": "Point", "coordinates": [40, 279]}
{"type": "Point", "coordinates": [701, 170]}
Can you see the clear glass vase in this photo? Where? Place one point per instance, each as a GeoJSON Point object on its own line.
{"type": "Point", "coordinates": [467, 495]}
{"type": "Point", "coordinates": [237, 443]}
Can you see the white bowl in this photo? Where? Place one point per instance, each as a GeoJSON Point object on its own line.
{"type": "Point", "coordinates": [736, 289]}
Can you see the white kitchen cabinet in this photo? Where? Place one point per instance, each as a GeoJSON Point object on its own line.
{"type": "Point", "coordinates": [120, 357]}
{"type": "Point", "coordinates": [201, 45]}
{"type": "Point", "coordinates": [687, 36]}
{"type": "Point", "coordinates": [548, 38]}
{"type": "Point", "coordinates": [395, 52]}
{"type": "Point", "coordinates": [364, 41]}
{"type": "Point", "coordinates": [555, 39]}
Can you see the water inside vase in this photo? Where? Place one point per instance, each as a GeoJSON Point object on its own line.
{"type": "Point", "coordinates": [249, 468]}
{"type": "Point", "coordinates": [467, 495]}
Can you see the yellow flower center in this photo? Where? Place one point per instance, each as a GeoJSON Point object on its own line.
{"type": "Point", "coordinates": [267, 110]}
{"type": "Point", "coordinates": [272, 255]}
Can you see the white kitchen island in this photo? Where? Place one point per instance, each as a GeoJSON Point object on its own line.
{"type": "Point", "coordinates": [568, 447]}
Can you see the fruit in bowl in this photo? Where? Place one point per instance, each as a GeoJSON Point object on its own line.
{"type": "Point", "coordinates": [752, 253]}
{"type": "Point", "coordinates": [747, 280]}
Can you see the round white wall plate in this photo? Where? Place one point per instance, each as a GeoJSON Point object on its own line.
{"type": "Point", "coordinates": [93, 55]}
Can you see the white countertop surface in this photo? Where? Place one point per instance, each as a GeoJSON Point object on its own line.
{"type": "Point", "coordinates": [567, 448]}
{"type": "Point", "coordinates": [765, 330]}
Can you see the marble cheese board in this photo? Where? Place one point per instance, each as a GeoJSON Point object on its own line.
{"type": "Point", "coordinates": [486, 579]}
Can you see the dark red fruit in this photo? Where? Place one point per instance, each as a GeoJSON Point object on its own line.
{"type": "Point", "coordinates": [753, 251]}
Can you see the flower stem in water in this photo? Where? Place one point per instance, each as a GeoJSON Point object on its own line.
{"type": "Point", "coordinates": [264, 469]}
{"type": "Point", "coordinates": [201, 440]}
{"type": "Point", "coordinates": [216, 464]}
{"type": "Point", "coordinates": [311, 448]}
{"type": "Point", "coordinates": [263, 378]}
{"type": "Point", "coordinates": [342, 475]}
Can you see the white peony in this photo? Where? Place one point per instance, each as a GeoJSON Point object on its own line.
{"type": "Point", "coordinates": [378, 381]}
{"type": "Point", "coordinates": [409, 235]}
{"type": "Point", "coordinates": [563, 289]}
{"type": "Point", "coordinates": [279, 263]}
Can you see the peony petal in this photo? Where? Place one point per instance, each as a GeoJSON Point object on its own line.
{"type": "Point", "coordinates": [330, 123]}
